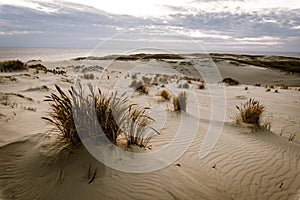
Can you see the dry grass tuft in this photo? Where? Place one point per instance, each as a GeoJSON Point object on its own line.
{"type": "Point", "coordinates": [61, 116]}
{"type": "Point", "coordinates": [98, 115]}
{"type": "Point", "coordinates": [165, 94]}
{"type": "Point", "coordinates": [292, 137]}
{"type": "Point", "coordinates": [143, 89]}
{"type": "Point", "coordinates": [250, 112]}
{"type": "Point", "coordinates": [180, 102]}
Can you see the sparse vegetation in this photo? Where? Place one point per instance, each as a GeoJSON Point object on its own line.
{"type": "Point", "coordinates": [56, 71]}
{"type": "Point", "coordinates": [292, 137]}
{"type": "Point", "coordinates": [201, 86]}
{"type": "Point", "coordinates": [284, 87]}
{"type": "Point", "coordinates": [250, 112]}
{"type": "Point", "coordinates": [12, 65]}
{"type": "Point", "coordinates": [134, 76]}
{"type": "Point", "coordinates": [13, 78]}
{"type": "Point", "coordinates": [18, 95]}
{"type": "Point", "coordinates": [164, 79]}
{"type": "Point", "coordinates": [139, 86]}
{"type": "Point", "coordinates": [97, 115]}
{"type": "Point", "coordinates": [180, 102]}
{"type": "Point", "coordinates": [230, 81]}
{"type": "Point", "coordinates": [184, 85]}
{"type": "Point", "coordinates": [30, 109]}
{"type": "Point", "coordinates": [165, 94]}
{"type": "Point", "coordinates": [192, 79]}
{"type": "Point", "coordinates": [146, 80]}
{"type": "Point", "coordinates": [136, 84]}
{"type": "Point", "coordinates": [41, 88]}
{"type": "Point", "coordinates": [143, 89]}
{"type": "Point", "coordinates": [88, 76]}
{"type": "Point", "coordinates": [38, 67]}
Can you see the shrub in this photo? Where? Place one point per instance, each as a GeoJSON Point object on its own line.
{"type": "Point", "coordinates": [38, 67]}
{"type": "Point", "coordinates": [250, 112]}
{"type": "Point", "coordinates": [230, 81]}
{"type": "Point", "coordinates": [201, 86]}
{"type": "Point", "coordinates": [12, 65]}
{"type": "Point", "coordinates": [139, 87]}
{"type": "Point", "coordinates": [180, 102]}
{"type": "Point", "coordinates": [96, 115]}
{"type": "Point", "coordinates": [143, 89]}
{"type": "Point", "coordinates": [165, 94]}
{"type": "Point", "coordinates": [192, 79]}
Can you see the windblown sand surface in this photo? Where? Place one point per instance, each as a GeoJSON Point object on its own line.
{"type": "Point", "coordinates": [244, 164]}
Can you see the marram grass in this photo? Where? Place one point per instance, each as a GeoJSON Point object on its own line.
{"type": "Point", "coordinates": [98, 116]}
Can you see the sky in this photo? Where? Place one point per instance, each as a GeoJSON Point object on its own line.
{"type": "Point", "coordinates": [187, 25]}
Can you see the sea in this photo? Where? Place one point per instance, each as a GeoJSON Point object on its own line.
{"type": "Point", "coordinates": [59, 54]}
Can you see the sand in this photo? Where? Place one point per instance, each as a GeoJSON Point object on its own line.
{"type": "Point", "coordinates": [244, 163]}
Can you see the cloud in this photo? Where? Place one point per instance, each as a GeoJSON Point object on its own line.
{"type": "Point", "coordinates": [77, 26]}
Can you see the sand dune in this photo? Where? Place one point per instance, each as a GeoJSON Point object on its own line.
{"type": "Point", "coordinates": [244, 164]}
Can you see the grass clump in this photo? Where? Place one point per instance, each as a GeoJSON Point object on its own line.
{"type": "Point", "coordinates": [98, 115]}
{"type": "Point", "coordinates": [250, 112]}
{"type": "Point", "coordinates": [165, 94]}
{"type": "Point", "coordinates": [230, 81]}
{"type": "Point", "coordinates": [180, 102]}
{"type": "Point", "coordinates": [143, 89]}
{"type": "Point", "coordinates": [140, 87]}
{"type": "Point", "coordinates": [12, 65]}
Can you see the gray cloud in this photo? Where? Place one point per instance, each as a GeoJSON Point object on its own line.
{"type": "Point", "coordinates": [78, 26]}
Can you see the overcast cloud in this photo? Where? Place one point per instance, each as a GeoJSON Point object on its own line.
{"type": "Point", "coordinates": [68, 25]}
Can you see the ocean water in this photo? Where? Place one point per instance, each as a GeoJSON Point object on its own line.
{"type": "Point", "coordinates": [51, 54]}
